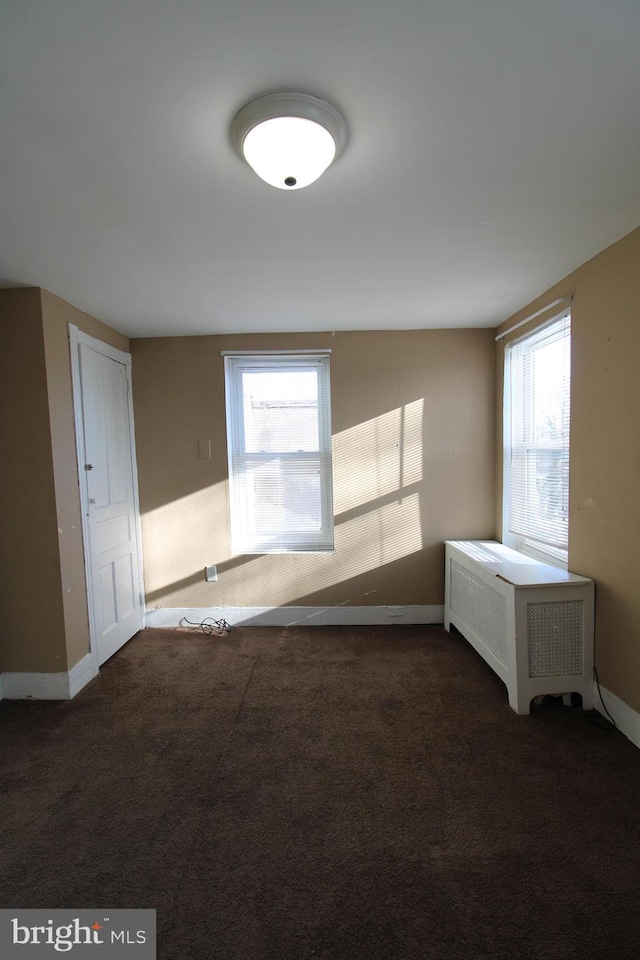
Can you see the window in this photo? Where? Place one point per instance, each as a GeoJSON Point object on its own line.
{"type": "Point", "coordinates": [279, 446]}
{"type": "Point", "coordinates": [536, 442]}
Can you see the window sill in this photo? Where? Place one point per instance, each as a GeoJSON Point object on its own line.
{"type": "Point", "coordinates": [554, 557]}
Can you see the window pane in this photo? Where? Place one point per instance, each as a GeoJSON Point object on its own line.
{"type": "Point", "coordinates": [279, 440]}
{"type": "Point", "coordinates": [550, 406]}
{"type": "Point", "coordinates": [537, 454]}
{"type": "Point", "coordinates": [280, 411]}
{"type": "Point", "coordinates": [286, 494]}
{"type": "Point", "coordinates": [540, 510]}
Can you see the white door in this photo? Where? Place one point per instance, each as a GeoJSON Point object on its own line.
{"type": "Point", "coordinates": [109, 497]}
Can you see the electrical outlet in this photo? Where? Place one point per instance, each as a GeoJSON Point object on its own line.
{"type": "Point", "coordinates": [211, 574]}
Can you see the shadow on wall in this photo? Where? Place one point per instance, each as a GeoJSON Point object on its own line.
{"type": "Point", "coordinates": [360, 589]}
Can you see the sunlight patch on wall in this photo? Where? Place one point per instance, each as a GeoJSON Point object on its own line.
{"type": "Point", "coordinates": [378, 536]}
{"type": "Point", "coordinates": [381, 535]}
{"type": "Point", "coordinates": [377, 457]}
{"type": "Point", "coordinates": [378, 504]}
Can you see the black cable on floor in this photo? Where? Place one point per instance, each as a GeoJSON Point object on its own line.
{"type": "Point", "coordinates": [596, 717]}
{"type": "Point", "coordinates": [213, 628]}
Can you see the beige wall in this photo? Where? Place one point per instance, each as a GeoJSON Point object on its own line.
{"type": "Point", "coordinates": [414, 457]}
{"type": "Point", "coordinates": [604, 495]}
{"type": "Point", "coordinates": [42, 588]}
{"type": "Point", "coordinates": [31, 604]}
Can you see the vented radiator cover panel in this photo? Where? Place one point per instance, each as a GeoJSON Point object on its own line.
{"type": "Point", "coordinates": [484, 609]}
{"type": "Point", "coordinates": [555, 631]}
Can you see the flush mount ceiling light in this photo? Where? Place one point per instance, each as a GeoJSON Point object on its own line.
{"type": "Point", "coordinates": [289, 138]}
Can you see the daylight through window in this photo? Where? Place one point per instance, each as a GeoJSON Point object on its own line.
{"type": "Point", "coordinates": [537, 421]}
{"type": "Point", "coordinates": [279, 447]}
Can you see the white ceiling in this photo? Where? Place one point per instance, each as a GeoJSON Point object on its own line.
{"type": "Point", "coordinates": [494, 145]}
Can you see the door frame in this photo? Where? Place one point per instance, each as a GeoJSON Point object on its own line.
{"type": "Point", "coordinates": [78, 338]}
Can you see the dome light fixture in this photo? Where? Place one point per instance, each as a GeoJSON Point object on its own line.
{"type": "Point", "coordinates": [289, 139]}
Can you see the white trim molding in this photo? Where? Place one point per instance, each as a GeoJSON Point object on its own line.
{"type": "Point", "coordinates": [78, 338]}
{"type": "Point", "coordinates": [81, 673]}
{"type": "Point", "coordinates": [49, 686]}
{"type": "Point", "coordinates": [626, 719]}
{"type": "Point", "coordinates": [295, 616]}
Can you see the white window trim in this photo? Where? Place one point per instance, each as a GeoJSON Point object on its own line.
{"type": "Point", "coordinates": [242, 541]}
{"type": "Point", "coordinates": [538, 551]}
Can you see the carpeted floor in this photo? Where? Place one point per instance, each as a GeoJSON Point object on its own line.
{"type": "Point", "coordinates": [328, 793]}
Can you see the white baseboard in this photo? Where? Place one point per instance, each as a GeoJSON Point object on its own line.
{"type": "Point", "coordinates": [626, 719]}
{"type": "Point", "coordinates": [1, 694]}
{"type": "Point", "coordinates": [295, 616]}
{"type": "Point", "coordinates": [81, 673]}
{"type": "Point", "coordinates": [49, 686]}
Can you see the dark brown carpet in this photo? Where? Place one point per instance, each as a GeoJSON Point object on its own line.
{"type": "Point", "coordinates": [327, 793]}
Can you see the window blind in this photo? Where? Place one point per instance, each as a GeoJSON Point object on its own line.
{"type": "Point", "coordinates": [279, 447]}
{"type": "Point", "coordinates": [539, 380]}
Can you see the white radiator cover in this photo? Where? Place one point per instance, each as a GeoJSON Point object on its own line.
{"type": "Point", "coordinates": [531, 622]}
